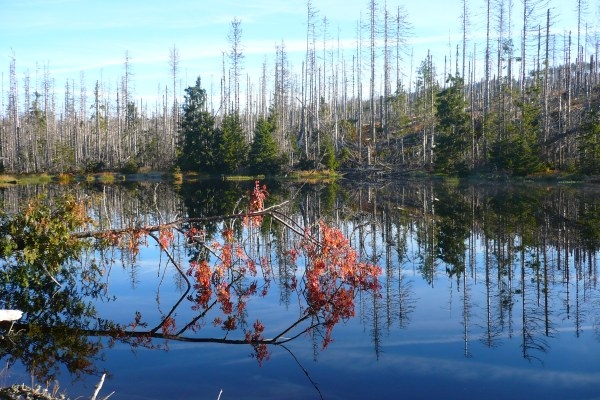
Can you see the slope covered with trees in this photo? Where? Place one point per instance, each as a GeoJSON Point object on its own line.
{"type": "Point", "coordinates": [523, 100]}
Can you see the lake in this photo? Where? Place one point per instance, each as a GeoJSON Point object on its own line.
{"type": "Point", "coordinates": [485, 291]}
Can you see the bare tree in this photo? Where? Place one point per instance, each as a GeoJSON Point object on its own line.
{"type": "Point", "coordinates": [403, 29]}
{"type": "Point", "coordinates": [49, 116]}
{"type": "Point", "coordinates": [359, 90]}
{"type": "Point", "coordinates": [97, 105]}
{"type": "Point", "coordinates": [546, 73]}
{"type": "Point", "coordinates": [262, 103]}
{"type": "Point", "coordinates": [13, 106]}
{"type": "Point", "coordinates": [486, 98]}
{"type": "Point", "coordinates": [309, 108]}
{"type": "Point", "coordinates": [373, 37]}
{"type": "Point", "coordinates": [281, 97]}
{"type": "Point", "coordinates": [386, 72]}
{"type": "Point", "coordinates": [527, 10]}
{"type": "Point", "coordinates": [465, 31]}
{"type": "Point", "coordinates": [82, 153]}
{"type": "Point", "coordinates": [174, 69]}
{"type": "Point", "coordinates": [236, 58]}
{"type": "Point", "coordinates": [531, 13]}
{"type": "Point", "coordinates": [581, 8]}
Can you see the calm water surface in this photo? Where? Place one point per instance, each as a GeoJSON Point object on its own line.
{"type": "Point", "coordinates": [486, 292]}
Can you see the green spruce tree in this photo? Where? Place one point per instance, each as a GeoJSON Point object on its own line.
{"type": "Point", "coordinates": [199, 148]}
{"type": "Point", "coordinates": [233, 149]}
{"type": "Point", "coordinates": [264, 157]}
{"type": "Point", "coordinates": [588, 143]}
{"type": "Point", "coordinates": [518, 152]}
{"type": "Point", "coordinates": [453, 129]}
{"type": "Point", "coordinates": [329, 157]}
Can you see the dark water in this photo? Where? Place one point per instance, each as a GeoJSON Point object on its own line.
{"type": "Point", "coordinates": [486, 292]}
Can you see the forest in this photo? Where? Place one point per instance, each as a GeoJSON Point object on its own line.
{"type": "Point", "coordinates": [525, 104]}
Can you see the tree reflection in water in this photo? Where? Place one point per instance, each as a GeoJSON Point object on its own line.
{"type": "Point", "coordinates": [228, 271]}
{"type": "Point", "coordinates": [41, 275]}
{"type": "Point", "coordinates": [518, 264]}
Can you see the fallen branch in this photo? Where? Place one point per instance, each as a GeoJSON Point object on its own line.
{"type": "Point", "coordinates": [178, 222]}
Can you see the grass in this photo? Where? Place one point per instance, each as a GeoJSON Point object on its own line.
{"type": "Point", "coordinates": [8, 179]}
{"type": "Point", "coordinates": [27, 179]}
{"type": "Point", "coordinates": [241, 178]}
{"type": "Point", "coordinates": [105, 177]}
{"type": "Point", "coordinates": [314, 176]}
{"type": "Point", "coordinates": [65, 178]}
{"type": "Point", "coordinates": [176, 177]}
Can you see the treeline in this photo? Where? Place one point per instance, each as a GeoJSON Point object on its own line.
{"type": "Point", "coordinates": [532, 107]}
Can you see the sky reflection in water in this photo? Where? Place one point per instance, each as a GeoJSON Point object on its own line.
{"type": "Point", "coordinates": [424, 360]}
{"type": "Point", "coordinates": [448, 345]}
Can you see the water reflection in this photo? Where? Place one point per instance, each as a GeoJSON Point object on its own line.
{"type": "Point", "coordinates": [58, 311]}
{"type": "Point", "coordinates": [511, 268]}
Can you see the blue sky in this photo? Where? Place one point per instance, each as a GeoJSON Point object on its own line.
{"type": "Point", "coordinates": [91, 37]}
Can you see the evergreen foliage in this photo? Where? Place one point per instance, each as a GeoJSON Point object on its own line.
{"type": "Point", "coordinates": [329, 156]}
{"type": "Point", "coordinates": [233, 150]}
{"type": "Point", "coordinates": [518, 152]}
{"type": "Point", "coordinates": [264, 155]}
{"type": "Point", "coordinates": [453, 129]}
{"type": "Point", "coordinates": [51, 275]}
{"type": "Point", "coordinates": [588, 143]}
{"type": "Point", "coordinates": [199, 140]}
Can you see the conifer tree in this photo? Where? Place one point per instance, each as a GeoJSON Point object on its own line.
{"type": "Point", "coordinates": [233, 150]}
{"type": "Point", "coordinates": [589, 143]}
{"type": "Point", "coordinates": [518, 153]}
{"type": "Point", "coordinates": [199, 140]}
{"type": "Point", "coordinates": [264, 155]}
{"type": "Point", "coordinates": [452, 129]}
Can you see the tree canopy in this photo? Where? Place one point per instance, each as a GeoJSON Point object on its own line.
{"type": "Point", "coordinates": [199, 147]}
{"type": "Point", "coordinates": [264, 157]}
